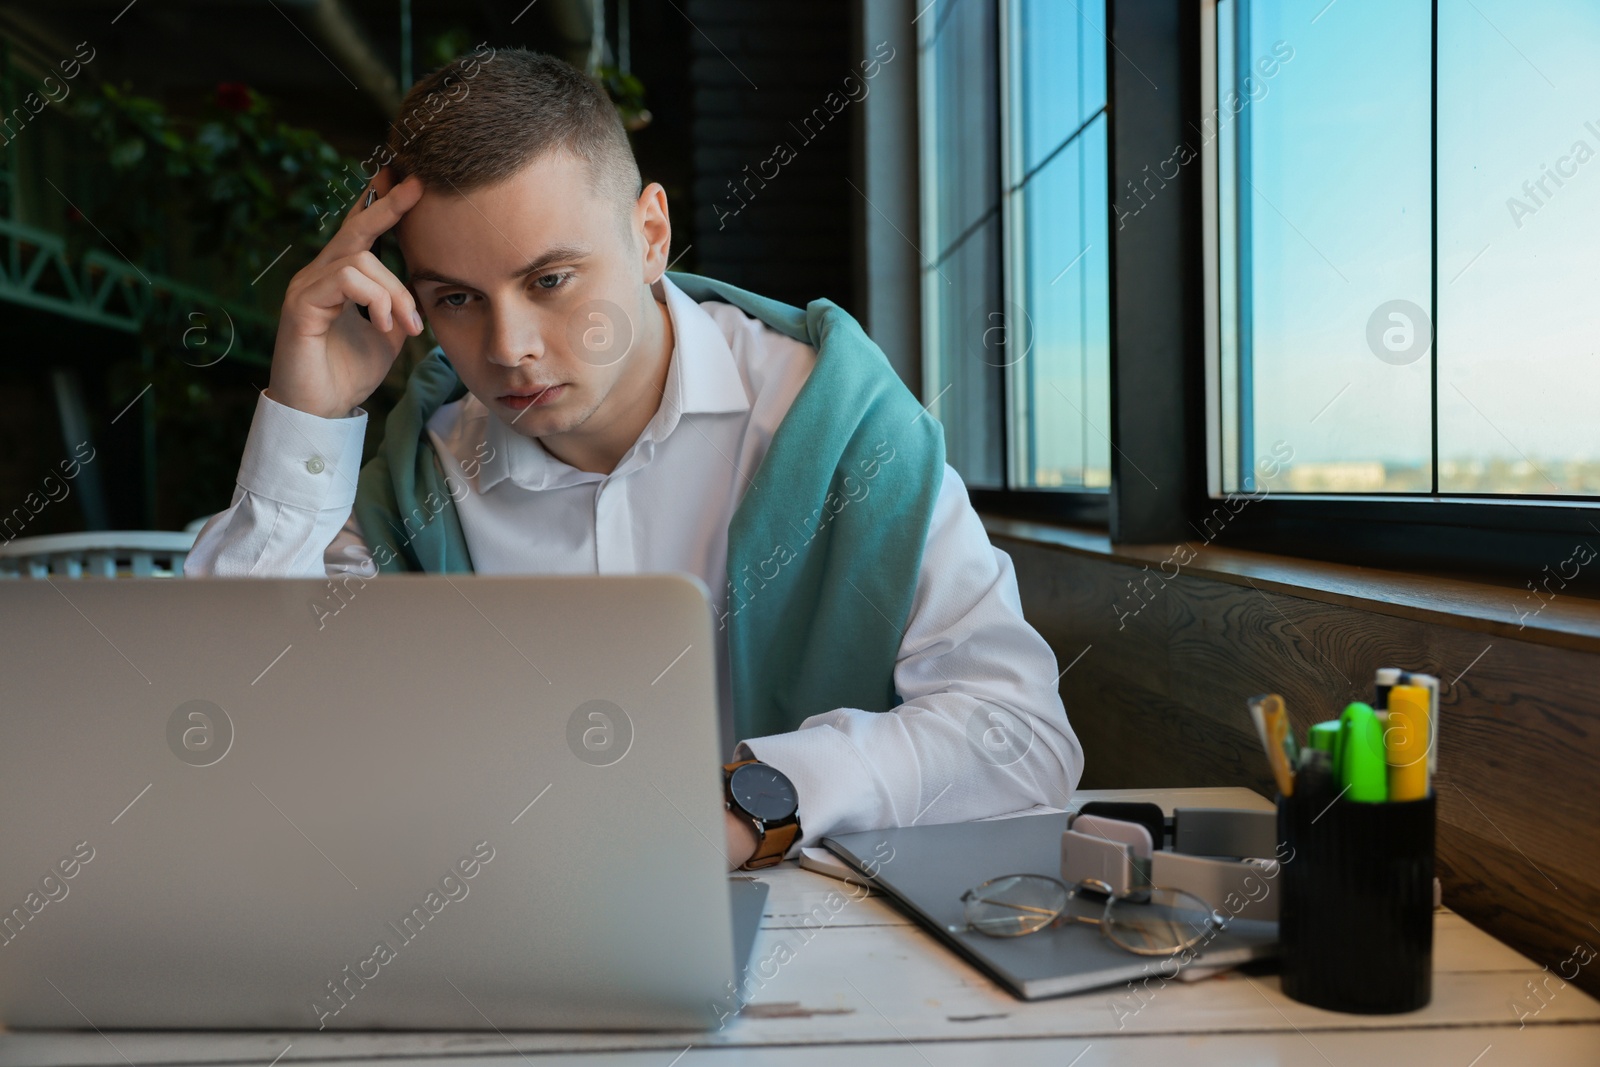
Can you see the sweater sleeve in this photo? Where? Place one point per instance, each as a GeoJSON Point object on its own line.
{"type": "Point", "coordinates": [291, 513]}
{"type": "Point", "coordinates": [981, 731]}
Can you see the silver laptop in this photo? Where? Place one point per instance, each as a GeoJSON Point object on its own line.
{"type": "Point", "coordinates": [418, 802]}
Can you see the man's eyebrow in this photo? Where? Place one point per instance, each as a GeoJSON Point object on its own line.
{"type": "Point", "coordinates": [558, 254]}
{"type": "Point", "coordinates": [423, 274]}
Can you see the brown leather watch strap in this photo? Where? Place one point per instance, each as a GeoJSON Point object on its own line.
{"type": "Point", "coordinates": [771, 843]}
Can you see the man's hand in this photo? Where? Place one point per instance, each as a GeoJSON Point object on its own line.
{"type": "Point", "coordinates": [327, 358]}
{"type": "Point", "coordinates": [741, 839]}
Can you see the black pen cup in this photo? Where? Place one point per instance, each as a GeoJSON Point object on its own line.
{"type": "Point", "coordinates": [1355, 925]}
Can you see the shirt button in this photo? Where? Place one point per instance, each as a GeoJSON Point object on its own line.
{"type": "Point", "coordinates": [315, 465]}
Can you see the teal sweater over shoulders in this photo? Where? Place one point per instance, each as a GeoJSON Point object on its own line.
{"type": "Point", "coordinates": [823, 550]}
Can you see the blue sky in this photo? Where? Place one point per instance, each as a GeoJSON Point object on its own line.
{"type": "Point", "coordinates": [1341, 214]}
{"type": "Point", "coordinates": [1066, 273]}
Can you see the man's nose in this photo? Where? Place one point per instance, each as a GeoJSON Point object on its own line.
{"type": "Point", "coordinates": [514, 338]}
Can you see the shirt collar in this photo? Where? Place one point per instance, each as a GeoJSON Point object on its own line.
{"type": "Point", "coordinates": [702, 378]}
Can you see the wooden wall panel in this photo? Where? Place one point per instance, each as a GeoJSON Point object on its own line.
{"type": "Point", "coordinates": [1159, 700]}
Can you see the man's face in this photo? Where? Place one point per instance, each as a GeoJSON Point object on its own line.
{"type": "Point", "coordinates": [537, 289]}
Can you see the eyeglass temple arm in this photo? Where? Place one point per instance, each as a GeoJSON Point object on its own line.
{"type": "Point", "coordinates": [1016, 907]}
{"type": "Point", "coordinates": [1092, 920]}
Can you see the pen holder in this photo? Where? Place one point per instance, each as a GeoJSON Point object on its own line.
{"type": "Point", "coordinates": [1356, 920]}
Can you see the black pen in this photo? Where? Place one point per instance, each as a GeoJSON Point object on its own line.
{"type": "Point", "coordinates": [372, 194]}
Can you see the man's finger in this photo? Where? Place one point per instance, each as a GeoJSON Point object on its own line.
{"type": "Point", "coordinates": [401, 298]}
{"type": "Point", "coordinates": [365, 225]}
{"type": "Point", "coordinates": [349, 285]}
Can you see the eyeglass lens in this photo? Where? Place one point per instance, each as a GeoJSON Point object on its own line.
{"type": "Point", "coordinates": [1158, 921]}
{"type": "Point", "coordinates": [1014, 905]}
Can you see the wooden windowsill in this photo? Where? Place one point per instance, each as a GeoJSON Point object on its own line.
{"type": "Point", "coordinates": [1564, 620]}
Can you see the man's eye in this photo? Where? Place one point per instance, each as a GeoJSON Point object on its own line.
{"type": "Point", "coordinates": [454, 301]}
{"type": "Point", "coordinates": [553, 281]}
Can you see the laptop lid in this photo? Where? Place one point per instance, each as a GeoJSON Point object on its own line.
{"type": "Point", "coordinates": [926, 869]}
{"type": "Point", "coordinates": [424, 801]}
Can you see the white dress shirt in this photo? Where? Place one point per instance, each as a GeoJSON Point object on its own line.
{"type": "Point", "coordinates": [982, 730]}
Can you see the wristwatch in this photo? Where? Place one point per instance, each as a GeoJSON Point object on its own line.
{"type": "Point", "coordinates": [765, 796]}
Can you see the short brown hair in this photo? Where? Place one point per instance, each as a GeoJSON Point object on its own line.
{"type": "Point", "coordinates": [485, 116]}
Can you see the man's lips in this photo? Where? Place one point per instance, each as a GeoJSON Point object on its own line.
{"type": "Point", "coordinates": [542, 395]}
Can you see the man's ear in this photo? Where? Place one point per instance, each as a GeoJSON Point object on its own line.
{"type": "Point", "coordinates": [654, 229]}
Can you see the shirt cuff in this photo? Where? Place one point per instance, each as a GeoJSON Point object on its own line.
{"type": "Point", "coordinates": [835, 788]}
{"type": "Point", "coordinates": [301, 459]}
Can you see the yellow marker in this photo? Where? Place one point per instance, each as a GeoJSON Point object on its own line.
{"type": "Point", "coordinates": [1405, 742]}
{"type": "Point", "coordinates": [1277, 739]}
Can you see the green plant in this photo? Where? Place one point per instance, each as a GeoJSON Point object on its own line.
{"type": "Point", "coordinates": [627, 92]}
{"type": "Point", "coordinates": [213, 198]}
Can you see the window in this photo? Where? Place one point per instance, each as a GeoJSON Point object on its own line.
{"type": "Point", "coordinates": [1370, 298]}
{"type": "Point", "coordinates": [1015, 239]}
{"type": "Point", "coordinates": [1405, 269]}
{"type": "Point", "coordinates": [958, 90]}
{"type": "Point", "coordinates": [1059, 246]}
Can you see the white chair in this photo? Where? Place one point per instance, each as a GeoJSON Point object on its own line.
{"type": "Point", "coordinates": [98, 553]}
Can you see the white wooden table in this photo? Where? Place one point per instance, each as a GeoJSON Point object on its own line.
{"type": "Point", "coordinates": [859, 982]}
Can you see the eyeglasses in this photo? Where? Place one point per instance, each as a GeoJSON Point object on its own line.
{"type": "Point", "coordinates": [1155, 921]}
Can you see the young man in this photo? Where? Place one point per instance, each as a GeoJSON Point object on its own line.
{"type": "Point", "coordinates": [587, 412]}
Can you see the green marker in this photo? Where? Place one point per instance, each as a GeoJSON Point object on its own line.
{"type": "Point", "coordinates": [1324, 737]}
{"type": "Point", "coordinates": [1363, 772]}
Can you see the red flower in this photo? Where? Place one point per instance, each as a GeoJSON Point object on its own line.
{"type": "Point", "coordinates": [234, 96]}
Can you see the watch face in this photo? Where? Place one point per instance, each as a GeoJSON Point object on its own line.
{"type": "Point", "coordinates": [763, 792]}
